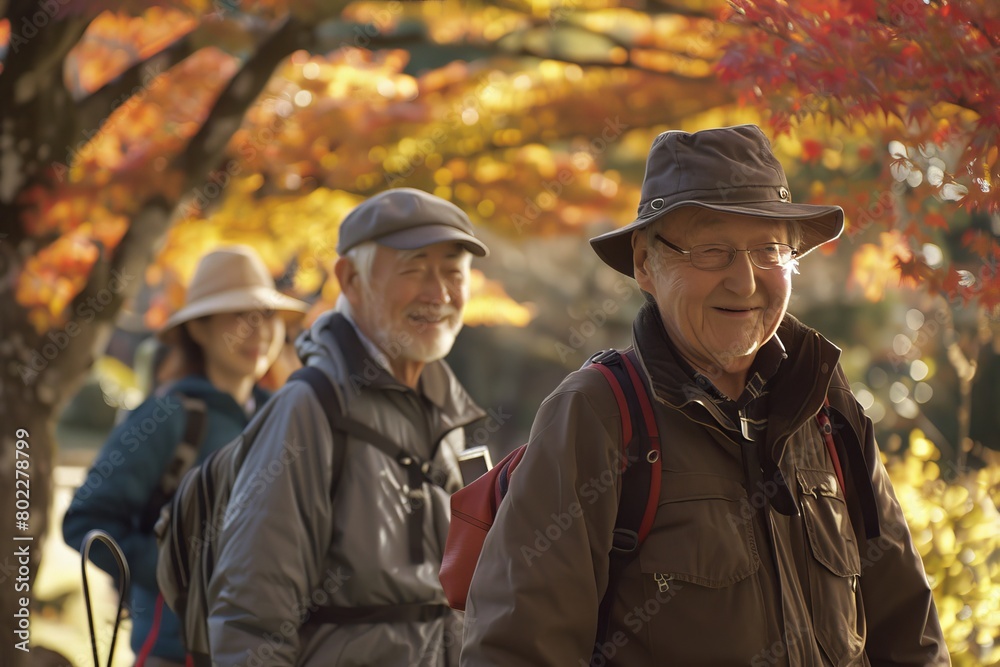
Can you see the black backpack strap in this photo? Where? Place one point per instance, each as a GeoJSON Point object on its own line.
{"type": "Point", "coordinates": [415, 612]}
{"type": "Point", "coordinates": [185, 454]}
{"type": "Point", "coordinates": [332, 408]}
{"type": "Point", "coordinates": [417, 470]}
{"type": "Point", "coordinates": [641, 473]}
{"type": "Point", "coordinates": [848, 447]}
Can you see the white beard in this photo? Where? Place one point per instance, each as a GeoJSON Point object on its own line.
{"type": "Point", "coordinates": [390, 336]}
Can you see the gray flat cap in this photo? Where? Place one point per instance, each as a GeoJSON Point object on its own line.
{"type": "Point", "coordinates": [407, 219]}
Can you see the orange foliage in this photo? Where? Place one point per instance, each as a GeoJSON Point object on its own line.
{"type": "Point", "coordinates": [524, 150]}
{"type": "Point", "coordinates": [51, 278]}
{"type": "Point", "coordinates": [115, 41]}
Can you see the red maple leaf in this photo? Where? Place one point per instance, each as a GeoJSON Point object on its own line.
{"type": "Point", "coordinates": [913, 270]}
{"type": "Point", "coordinates": [812, 151]}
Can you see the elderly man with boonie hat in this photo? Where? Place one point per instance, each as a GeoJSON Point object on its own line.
{"type": "Point", "coordinates": [334, 555]}
{"type": "Point", "coordinates": [775, 537]}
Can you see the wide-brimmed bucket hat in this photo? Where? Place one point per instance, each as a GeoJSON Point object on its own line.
{"type": "Point", "coordinates": [231, 279]}
{"type": "Point", "coordinates": [407, 219]}
{"type": "Point", "coordinates": [730, 169]}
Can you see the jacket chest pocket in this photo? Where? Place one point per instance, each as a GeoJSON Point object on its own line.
{"type": "Point", "coordinates": [698, 566]}
{"type": "Point", "coordinates": [834, 569]}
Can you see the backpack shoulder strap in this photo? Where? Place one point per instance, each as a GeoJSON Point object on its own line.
{"type": "Point", "coordinates": [641, 448]}
{"type": "Point", "coordinates": [844, 444]}
{"type": "Point", "coordinates": [185, 454]}
{"type": "Point", "coordinates": [417, 470]}
{"type": "Point", "coordinates": [332, 408]}
{"type": "Point", "coordinates": [640, 469]}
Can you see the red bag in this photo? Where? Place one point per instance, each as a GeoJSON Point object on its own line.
{"type": "Point", "coordinates": [474, 508]}
{"type": "Point", "coordinates": [472, 511]}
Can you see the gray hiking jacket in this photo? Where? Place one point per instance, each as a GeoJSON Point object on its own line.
{"type": "Point", "coordinates": [288, 548]}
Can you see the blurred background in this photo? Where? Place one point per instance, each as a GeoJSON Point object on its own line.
{"type": "Point", "coordinates": [136, 136]}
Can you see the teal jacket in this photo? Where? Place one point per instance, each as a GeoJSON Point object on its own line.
{"type": "Point", "coordinates": [116, 495]}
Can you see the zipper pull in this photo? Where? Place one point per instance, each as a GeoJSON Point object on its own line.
{"type": "Point", "coordinates": [745, 426]}
{"type": "Point", "coordinates": [662, 581]}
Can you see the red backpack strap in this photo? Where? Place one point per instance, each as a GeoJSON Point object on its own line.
{"type": "Point", "coordinates": [826, 428]}
{"type": "Point", "coordinates": [154, 633]}
{"type": "Point", "coordinates": [652, 451]}
{"type": "Point", "coordinates": [846, 446]}
{"type": "Point", "coordinates": [641, 473]}
{"type": "Point", "coordinates": [640, 469]}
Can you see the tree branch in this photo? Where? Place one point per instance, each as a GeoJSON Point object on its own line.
{"type": "Point", "coordinates": [207, 147]}
{"type": "Point", "coordinates": [98, 104]}
{"type": "Point", "coordinates": [35, 58]}
{"type": "Point", "coordinates": [37, 114]}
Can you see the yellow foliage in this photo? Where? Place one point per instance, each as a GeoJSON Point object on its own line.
{"type": "Point", "coordinates": [956, 528]}
{"type": "Point", "coordinates": [489, 304]}
{"type": "Point", "coordinates": [872, 266]}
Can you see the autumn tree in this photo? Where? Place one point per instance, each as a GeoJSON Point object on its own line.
{"type": "Point", "coordinates": [265, 122]}
{"type": "Point", "coordinates": [921, 79]}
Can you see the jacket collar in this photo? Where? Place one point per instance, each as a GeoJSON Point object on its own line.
{"type": "Point", "coordinates": [438, 383]}
{"type": "Point", "coordinates": [806, 376]}
{"type": "Point", "coordinates": [799, 383]}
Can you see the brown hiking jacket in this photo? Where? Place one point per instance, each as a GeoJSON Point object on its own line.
{"type": "Point", "coordinates": [730, 574]}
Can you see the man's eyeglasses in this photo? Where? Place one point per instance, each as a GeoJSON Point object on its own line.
{"type": "Point", "coordinates": [716, 256]}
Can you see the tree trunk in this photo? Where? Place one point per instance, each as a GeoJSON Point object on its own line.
{"type": "Point", "coordinates": [27, 453]}
{"type": "Point", "coordinates": [39, 373]}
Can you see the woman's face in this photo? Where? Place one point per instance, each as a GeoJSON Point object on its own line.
{"type": "Point", "coordinates": [239, 345]}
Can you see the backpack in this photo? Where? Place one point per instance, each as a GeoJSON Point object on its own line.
{"type": "Point", "coordinates": [192, 520]}
{"type": "Point", "coordinates": [474, 507]}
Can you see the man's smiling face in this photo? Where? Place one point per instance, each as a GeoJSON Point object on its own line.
{"type": "Point", "coordinates": [416, 296]}
{"type": "Point", "coordinates": [717, 319]}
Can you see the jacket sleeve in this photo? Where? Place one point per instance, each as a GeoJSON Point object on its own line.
{"type": "Point", "coordinates": [902, 620]}
{"type": "Point", "coordinates": [120, 483]}
{"type": "Point", "coordinates": [544, 567]}
{"type": "Point", "coordinates": [276, 534]}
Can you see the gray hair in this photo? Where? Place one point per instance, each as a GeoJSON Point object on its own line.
{"type": "Point", "coordinates": [362, 256]}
